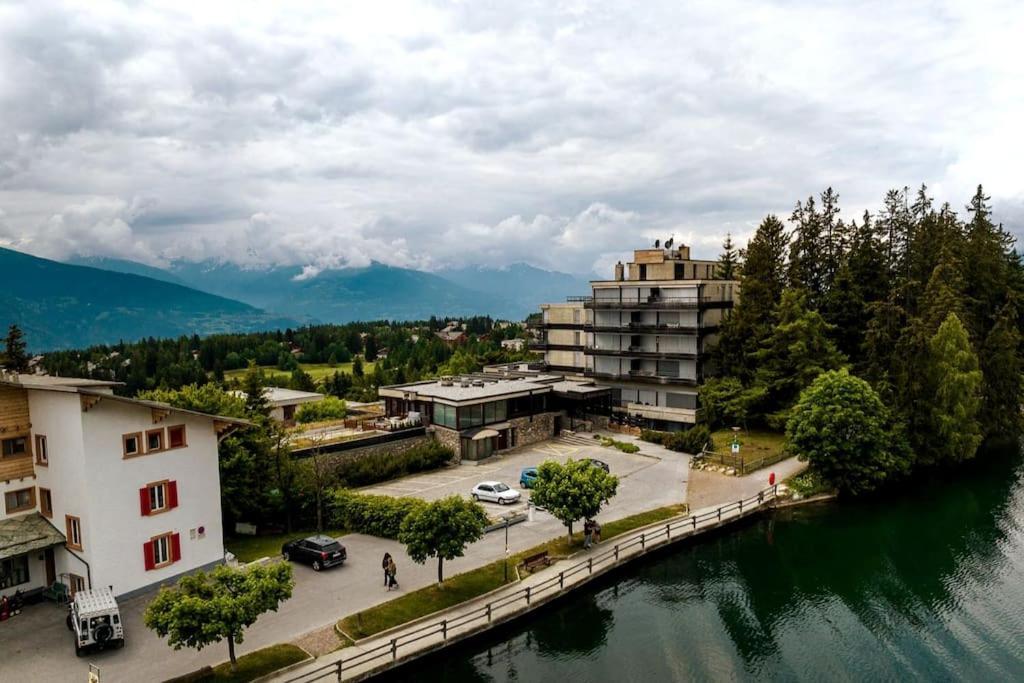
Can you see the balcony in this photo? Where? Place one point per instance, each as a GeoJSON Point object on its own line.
{"type": "Point", "coordinates": [545, 346]}
{"type": "Point", "coordinates": [556, 326]}
{"type": "Point", "coordinates": [665, 413]}
{"type": "Point", "coordinates": [641, 376]}
{"type": "Point", "coordinates": [639, 352]}
{"type": "Point", "coordinates": [657, 301]}
{"type": "Point", "coordinates": [653, 328]}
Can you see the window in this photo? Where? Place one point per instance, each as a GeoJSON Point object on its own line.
{"type": "Point", "coordinates": [444, 415]}
{"type": "Point", "coordinates": [45, 502]}
{"type": "Point", "coordinates": [162, 550]}
{"type": "Point", "coordinates": [42, 456]}
{"type": "Point", "coordinates": [14, 448]}
{"type": "Point", "coordinates": [158, 497]}
{"type": "Point", "coordinates": [132, 444]}
{"type": "Point", "coordinates": [74, 532]}
{"type": "Point", "coordinates": [14, 571]}
{"type": "Point", "coordinates": [176, 437]}
{"type": "Point", "coordinates": [154, 440]}
{"type": "Point", "coordinates": [20, 500]}
{"type": "Point", "coordinates": [77, 583]}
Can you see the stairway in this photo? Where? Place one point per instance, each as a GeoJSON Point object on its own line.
{"type": "Point", "coordinates": [582, 439]}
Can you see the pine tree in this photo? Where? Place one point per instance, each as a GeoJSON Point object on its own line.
{"type": "Point", "coordinates": [728, 261]}
{"type": "Point", "coordinates": [985, 262]}
{"type": "Point", "coordinates": [15, 354]}
{"type": "Point", "coordinates": [945, 293]}
{"type": "Point", "coordinates": [806, 262]}
{"type": "Point", "coordinates": [886, 323]}
{"type": "Point", "coordinates": [955, 400]}
{"type": "Point", "coordinates": [1003, 377]}
{"type": "Point", "coordinates": [253, 384]}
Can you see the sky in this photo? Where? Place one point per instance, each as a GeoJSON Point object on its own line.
{"type": "Point", "coordinates": [435, 134]}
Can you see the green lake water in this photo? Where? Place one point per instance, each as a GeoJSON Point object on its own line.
{"type": "Point", "coordinates": [926, 585]}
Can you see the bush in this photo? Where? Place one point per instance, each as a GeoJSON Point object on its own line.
{"type": "Point", "coordinates": [379, 467]}
{"type": "Point", "coordinates": [692, 440]}
{"type": "Point", "coordinates": [368, 514]}
{"type": "Point", "coordinates": [623, 446]}
{"type": "Point", "coordinates": [330, 408]}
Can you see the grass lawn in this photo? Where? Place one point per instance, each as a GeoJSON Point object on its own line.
{"type": "Point", "coordinates": [317, 371]}
{"type": "Point", "coordinates": [755, 444]}
{"type": "Point", "coordinates": [249, 548]}
{"type": "Point", "coordinates": [256, 664]}
{"type": "Point", "coordinates": [471, 584]}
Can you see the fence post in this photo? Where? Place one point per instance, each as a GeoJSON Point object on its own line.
{"type": "Point", "coordinates": [527, 596]}
{"type": "Point", "coordinates": [693, 518]}
{"type": "Point", "coordinates": [561, 580]}
{"type": "Point", "coordinates": [340, 663]}
{"type": "Point", "coordinates": [719, 514]}
{"type": "Point", "coordinates": [488, 613]}
{"type": "Point", "coordinates": [741, 506]}
{"type": "Point", "coordinates": [444, 630]}
{"type": "Point", "coordinates": [668, 532]}
{"type": "Point", "coordinates": [643, 541]}
{"type": "Point", "coordinates": [590, 565]}
{"type": "Point", "coordinates": [394, 649]}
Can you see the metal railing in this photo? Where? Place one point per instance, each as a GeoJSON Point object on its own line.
{"type": "Point", "coordinates": [389, 651]}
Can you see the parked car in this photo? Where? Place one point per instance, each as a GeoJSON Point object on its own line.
{"type": "Point", "coordinates": [95, 619]}
{"type": "Point", "coordinates": [319, 552]}
{"type": "Point", "coordinates": [527, 477]}
{"type": "Point", "coordinates": [598, 463]}
{"type": "Point", "coordinates": [495, 492]}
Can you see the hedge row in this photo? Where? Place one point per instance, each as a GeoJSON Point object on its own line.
{"type": "Point", "coordinates": [371, 469]}
{"type": "Point", "coordinates": [368, 514]}
{"type": "Point", "coordinates": [693, 440]}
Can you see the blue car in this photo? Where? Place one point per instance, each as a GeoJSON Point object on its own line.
{"type": "Point", "coordinates": [527, 477]}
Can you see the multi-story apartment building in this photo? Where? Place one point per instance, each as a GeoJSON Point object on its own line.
{"type": "Point", "coordinates": [102, 490]}
{"type": "Point", "coordinates": [646, 333]}
{"type": "Point", "coordinates": [562, 335]}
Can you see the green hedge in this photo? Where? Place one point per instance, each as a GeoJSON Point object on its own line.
{"type": "Point", "coordinates": [371, 469]}
{"type": "Point", "coordinates": [368, 514]}
{"type": "Point", "coordinates": [329, 408]}
{"type": "Point", "coordinates": [692, 441]}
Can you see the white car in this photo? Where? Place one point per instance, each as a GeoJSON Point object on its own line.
{"type": "Point", "coordinates": [495, 492]}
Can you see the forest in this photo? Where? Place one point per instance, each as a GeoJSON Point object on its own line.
{"type": "Point", "coordinates": [917, 307]}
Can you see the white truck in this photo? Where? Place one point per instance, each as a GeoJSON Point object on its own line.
{"type": "Point", "coordinates": [95, 620]}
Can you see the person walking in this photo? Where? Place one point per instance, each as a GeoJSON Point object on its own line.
{"type": "Point", "coordinates": [384, 565]}
{"type": "Point", "coordinates": [392, 573]}
{"type": "Point", "coordinates": [588, 531]}
{"type": "Point", "coordinates": [595, 529]}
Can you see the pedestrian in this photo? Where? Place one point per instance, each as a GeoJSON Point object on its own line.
{"type": "Point", "coordinates": [596, 528]}
{"type": "Point", "coordinates": [392, 573]}
{"type": "Point", "coordinates": [588, 530]}
{"type": "Point", "coordinates": [384, 565]}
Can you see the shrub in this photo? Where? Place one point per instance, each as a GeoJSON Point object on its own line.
{"type": "Point", "coordinates": [330, 408]}
{"type": "Point", "coordinates": [623, 446]}
{"type": "Point", "coordinates": [692, 440]}
{"type": "Point", "coordinates": [368, 514]}
{"type": "Point", "coordinates": [379, 467]}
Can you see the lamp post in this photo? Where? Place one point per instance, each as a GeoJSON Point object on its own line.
{"type": "Point", "coordinates": [506, 549]}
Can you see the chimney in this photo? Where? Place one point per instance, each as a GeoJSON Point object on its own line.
{"type": "Point", "coordinates": [619, 272]}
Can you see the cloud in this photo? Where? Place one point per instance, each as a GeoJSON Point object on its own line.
{"type": "Point", "coordinates": [432, 134]}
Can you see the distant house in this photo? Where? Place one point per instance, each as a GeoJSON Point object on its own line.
{"type": "Point", "coordinates": [451, 336]}
{"type": "Point", "coordinates": [382, 353]}
{"type": "Point", "coordinates": [513, 344]}
{"type": "Point", "coordinates": [284, 403]}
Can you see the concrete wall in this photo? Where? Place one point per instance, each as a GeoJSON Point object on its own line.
{"type": "Point", "coordinates": [334, 460]}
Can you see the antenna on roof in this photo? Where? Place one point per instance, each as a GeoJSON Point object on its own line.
{"type": "Point", "coordinates": [657, 243]}
{"type": "Point", "coordinates": [669, 241]}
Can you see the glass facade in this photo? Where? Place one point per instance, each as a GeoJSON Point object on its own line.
{"type": "Point", "coordinates": [444, 415]}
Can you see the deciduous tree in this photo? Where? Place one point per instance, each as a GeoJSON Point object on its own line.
{"type": "Point", "coordinates": [955, 398]}
{"type": "Point", "coordinates": [208, 607]}
{"type": "Point", "coordinates": [442, 529]}
{"type": "Point", "coordinates": [573, 491]}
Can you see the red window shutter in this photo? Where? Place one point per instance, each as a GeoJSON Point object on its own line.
{"type": "Point", "coordinates": [172, 494]}
{"type": "Point", "coordinates": [144, 501]}
{"type": "Point", "coordinates": [175, 547]}
{"type": "Point", "coordinates": [147, 552]}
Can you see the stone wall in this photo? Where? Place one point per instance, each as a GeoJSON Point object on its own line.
{"type": "Point", "coordinates": [333, 460]}
{"type": "Point", "coordinates": [540, 428]}
{"type": "Point", "coordinates": [450, 438]}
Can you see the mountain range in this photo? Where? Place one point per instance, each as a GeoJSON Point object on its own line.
{"type": "Point", "coordinates": [102, 300]}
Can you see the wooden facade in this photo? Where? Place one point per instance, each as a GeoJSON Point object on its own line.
{"type": "Point", "coordinates": [14, 423]}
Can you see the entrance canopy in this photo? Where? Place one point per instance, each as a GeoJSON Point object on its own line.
{"type": "Point", "coordinates": [20, 535]}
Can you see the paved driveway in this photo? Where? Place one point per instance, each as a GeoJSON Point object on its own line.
{"type": "Point", "coordinates": [37, 647]}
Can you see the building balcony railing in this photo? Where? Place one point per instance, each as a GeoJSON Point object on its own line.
{"type": "Point", "coordinates": [633, 352]}
{"type": "Point", "coordinates": [654, 328]}
{"type": "Point", "coordinates": [556, 326]}
{"type": "Point", "coordinates": [640, 375]}
{"type": "Point", "coordinates": [657, 301]}
{"type": "Point", "coordinates": [545, 346]}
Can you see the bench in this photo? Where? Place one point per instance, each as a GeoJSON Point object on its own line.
{"type": "Point", "coordinates": [58, 592]}
{"type": "Point", "coordinates": [534, 561]}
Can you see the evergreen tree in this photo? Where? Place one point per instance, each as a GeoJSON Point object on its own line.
{"type": "Point", "coordinates": [728, 261]}
{"type": "Point", "coordinates": [806, 263]}
{"type": "Point", "coordinates": [955, 401]}
{"type": "Point", "coordinates": [15, 354]}
{"type": "Point", "coordinates": [253, 384]}
{"type": "Point", "coordinates": [885, 326]}
{"type": "Point", "coordinates": [1003, 377]}
{"type": "Point", "coordinates": [985, 263]}
{"type": "Point", "coordinates": [945, 293]}
{"type": "Point", "coordinates": [893, 228]}
{"type": "Point", "coordinates": [357, 367]}
{"type": "Point", "coordinates": [791, 357]}
{"type": "Point", "coordinates": [370, 348]}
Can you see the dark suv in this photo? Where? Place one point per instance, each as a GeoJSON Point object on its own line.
{"type": "Point", "coordinates": [317, 551]}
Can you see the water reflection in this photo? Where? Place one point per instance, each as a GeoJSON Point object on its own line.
{"type": "Point", "coordinates": [927, 584]}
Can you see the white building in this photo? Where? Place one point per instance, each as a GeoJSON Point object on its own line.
{"type": "Point", "coordinates": [101, 490]}
{"type": "Point", "coordinates": [513, 344]}
{"type": "Point", "coordinates": [284, 403]}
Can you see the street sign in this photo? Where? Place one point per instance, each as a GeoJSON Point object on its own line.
{"type": "Point", "coordinates": [735, 447]}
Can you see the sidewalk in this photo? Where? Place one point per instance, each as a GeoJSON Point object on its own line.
{"type": "Point", "coordinates": [392, 647]}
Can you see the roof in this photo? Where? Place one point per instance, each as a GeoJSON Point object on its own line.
{"type": "Point", "coordinates": [94, 600]}
{"type": "Point", "coordinates": [493, 387]}
{"type": "Point", "coordinates": [571, 387]}
{"type": "Point", "coordinates": [277, 396]}
{"type": "Point", "coordinates": [27, 533]}
{"type": "Point", "coordinates": [44, 381]}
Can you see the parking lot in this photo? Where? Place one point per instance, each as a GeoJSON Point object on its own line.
{"type": "Point", "coordinates": [506, 469]}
